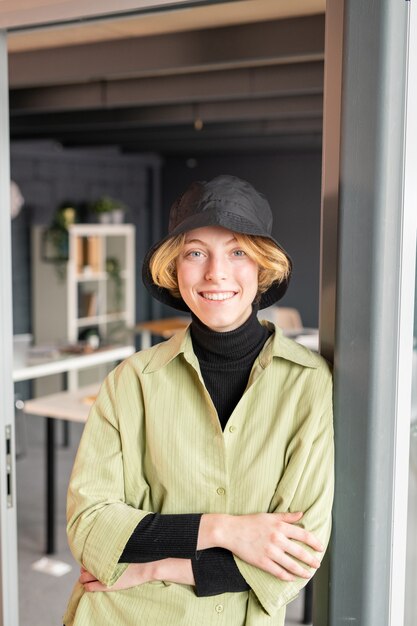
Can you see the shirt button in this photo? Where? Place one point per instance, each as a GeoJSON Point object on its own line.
{"type": "Point", "coordinates": [232, 429]}
{"type": "Point", "coordinates": [221, 491]}
{"type": "Point", "coordinates": [219, 608]}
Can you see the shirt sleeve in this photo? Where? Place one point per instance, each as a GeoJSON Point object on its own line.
{"type": "Point", "coordinates": [99, 521]}
{"type": "Point", "coordinates": [308, 484]}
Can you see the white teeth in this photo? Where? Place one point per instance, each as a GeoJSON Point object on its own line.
{"type": "Point", "coordinates": [218, 296]}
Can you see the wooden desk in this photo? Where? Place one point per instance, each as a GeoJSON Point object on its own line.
{"type": "Point", "coordinates": [162, 328]}
{"type": "Point", "coordinates": [66, 405]}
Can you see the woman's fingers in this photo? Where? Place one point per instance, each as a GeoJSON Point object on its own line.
{"type": "Point", "coordinates": [290, 516]}
{"type": "Point", "coordinates": [86, 577]}
{"type": "Point", "coordinates": [285, 568]}
{"type": "Point", "coordinates": [289, 552]}
{"type": "Point", "coordinates": [273, 542]}
{"type": "Point", "coordinates": [96, 586]}
{"type": "Point", "coordinates": [135, 574]}
{"type": "Point", "coordinates": [279, 572]}
{"type": "Point", "coordinates": [294, 558]}
{"type": "Point", "coordinates": [300, 534]}
{"type": "Point", "coordinates": [290, 541]}
{"type": "Point", "coordinates": [302, 555]}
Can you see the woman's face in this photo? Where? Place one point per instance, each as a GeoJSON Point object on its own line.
{"type": "Point", "coordinates": [216, 278]}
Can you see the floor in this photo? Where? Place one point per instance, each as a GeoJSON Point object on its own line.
{"type": "Point", "coordinates": [43, 597]}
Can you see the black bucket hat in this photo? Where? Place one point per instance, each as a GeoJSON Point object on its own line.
{"type": "Point", "coordinates": [224, 201]}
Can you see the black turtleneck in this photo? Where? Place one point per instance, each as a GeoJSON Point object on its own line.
{"type": "Point", "coordinates": [225, 360]}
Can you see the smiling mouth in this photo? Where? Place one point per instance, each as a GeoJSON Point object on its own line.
{"type": "Point", "coordinates": [224, 295]}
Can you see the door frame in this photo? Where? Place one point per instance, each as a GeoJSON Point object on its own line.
{"type": "Point", "coordinates": [8, 527]}
{"type": "Point", "coordinates": [367, 289]}
{"type": "Point", "coordinates": [379, 396]}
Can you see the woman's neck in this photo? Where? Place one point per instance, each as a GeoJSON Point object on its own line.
{"type": "Point", "coordinates": [213, 346]}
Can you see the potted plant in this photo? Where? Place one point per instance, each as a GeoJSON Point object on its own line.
{"type": "Point", "coordinates": [55, 238]}
{"type": "Point", "coordinates": [109, 210]}
{"type": "Point", "coordinates": [113, 270]}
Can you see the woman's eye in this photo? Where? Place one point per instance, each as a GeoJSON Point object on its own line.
{"type": "Point", "coordinates": [239, 252]}
{"type": "Point", "coordinates": [194, 254]}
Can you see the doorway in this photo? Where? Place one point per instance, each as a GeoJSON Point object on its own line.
{"type": "Point", "coordinates": [283, 118]}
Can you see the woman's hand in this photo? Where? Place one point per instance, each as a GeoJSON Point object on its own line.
{"type": "Point", "coordinates": [135, 574]}
{"type": "Point", "coordinates": [266, 540]}
{"type": "Point", "coordinates": [170, 570]}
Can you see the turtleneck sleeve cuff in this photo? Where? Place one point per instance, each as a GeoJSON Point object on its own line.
{"type": "Point", "coordinates": [160, 536]}
{"type": "Point", "coordinates": [163, 536]}
{"type": "Point", "coordinates": [215, 572]}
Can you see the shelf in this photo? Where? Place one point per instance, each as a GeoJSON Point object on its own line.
{"type": "Point", "coordinates": [94, 276]}
{"type": "Point", "coordinates": [101, 319]}
{"type": "Point", "coordinates": [100, 230]}
{"type": "Point", "coordinates": [98, 276]}
{"type": "Point", "coordinates": [90, 321]}
{"type": "Point", "coordinates": [115, 317]}
{"type": "Point", "coordinates": [91, 298]}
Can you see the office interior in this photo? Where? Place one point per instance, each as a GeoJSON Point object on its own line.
{"type": "Point", "coordinates": [137, 113]}
{"type": "Point", "coordinates": [145, 154]}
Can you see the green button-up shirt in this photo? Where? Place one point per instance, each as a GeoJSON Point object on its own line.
{"type": "Point", "coordinates": [153, 443]}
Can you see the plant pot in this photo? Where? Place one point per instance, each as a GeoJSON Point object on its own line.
{"type": "Point", "coordinates": [118, 216]}
{"type": "Point", "coordinates": [105, 218]}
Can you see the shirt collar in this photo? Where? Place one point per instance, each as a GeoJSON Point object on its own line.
{"type": "Point", "coordinates": [276, 346]}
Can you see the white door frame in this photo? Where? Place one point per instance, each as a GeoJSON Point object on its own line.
{"type": "Point", "coordinates": [406, 329]}
{"type": "Point", "coordinates": [8, 529]}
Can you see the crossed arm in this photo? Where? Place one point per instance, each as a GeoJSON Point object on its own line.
{"type": "Point", "coordinates": [274, 552]}
{"type": "Point", "coordinates": [268, 541]}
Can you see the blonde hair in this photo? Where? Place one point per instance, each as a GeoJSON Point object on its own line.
{"type": "Point", "coordinates": [274, 265]}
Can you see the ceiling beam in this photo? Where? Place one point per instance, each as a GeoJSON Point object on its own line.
{"type": "Point", "coordinates": [280, 80]}
{"type": "Point", "coordinates": [182, 114]}
{"type": "Point", "coordinates": [250, 45]}
{"type": "Point", "coordinates": [235, 145]}
{"type": "Point", "coordinates": [185, 139]}
{"type": "Point", "coordinates": [16, 14]}
{"type": "Point", "coordinates": [254, 86]}
{"type": "Point", "coordinates": [216, 130]}
{"type": "Point", "coordinates": [147, 22]}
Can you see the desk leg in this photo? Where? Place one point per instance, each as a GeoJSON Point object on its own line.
{"type": "Point", "coordinates": [50, 485]}
{"type": "Point", "coordinates": [66, 384]}
{"type": "Point", "coordinates": [65, 434]}
{"type": "Point", "coordinates": [308, 603]}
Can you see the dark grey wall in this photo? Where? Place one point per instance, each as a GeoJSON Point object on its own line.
{"type": "Point", "coordinates": [291, 182]}
{"type": "Point", "coordinates": [47, 175]}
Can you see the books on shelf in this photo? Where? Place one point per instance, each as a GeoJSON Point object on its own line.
{"type": "Point", "coordinates": [87, 304]}
{"type": "Point", "coordinates": [88, 254]}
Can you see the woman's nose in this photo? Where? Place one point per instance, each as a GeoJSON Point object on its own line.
{"type": "Point", "coordinates": [216, 269]}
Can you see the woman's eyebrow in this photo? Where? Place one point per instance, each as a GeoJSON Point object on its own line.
{"type": "Point", "coordinates": [194, 241]}
{"type": "Point", "coordinates": [204, 243]}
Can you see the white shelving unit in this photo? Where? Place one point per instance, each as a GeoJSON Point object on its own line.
{"type": "Point", "coordinates": [80, 294]}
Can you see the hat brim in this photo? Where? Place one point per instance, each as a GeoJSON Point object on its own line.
{"type": "Point", "coordinates": [213, 218]}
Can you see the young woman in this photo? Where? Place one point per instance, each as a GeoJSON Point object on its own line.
{"type": "Point", "coordinates": [202, 488]}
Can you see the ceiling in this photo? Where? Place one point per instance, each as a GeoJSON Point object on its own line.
{"type": "Point", "coordinates": [242, 75]}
